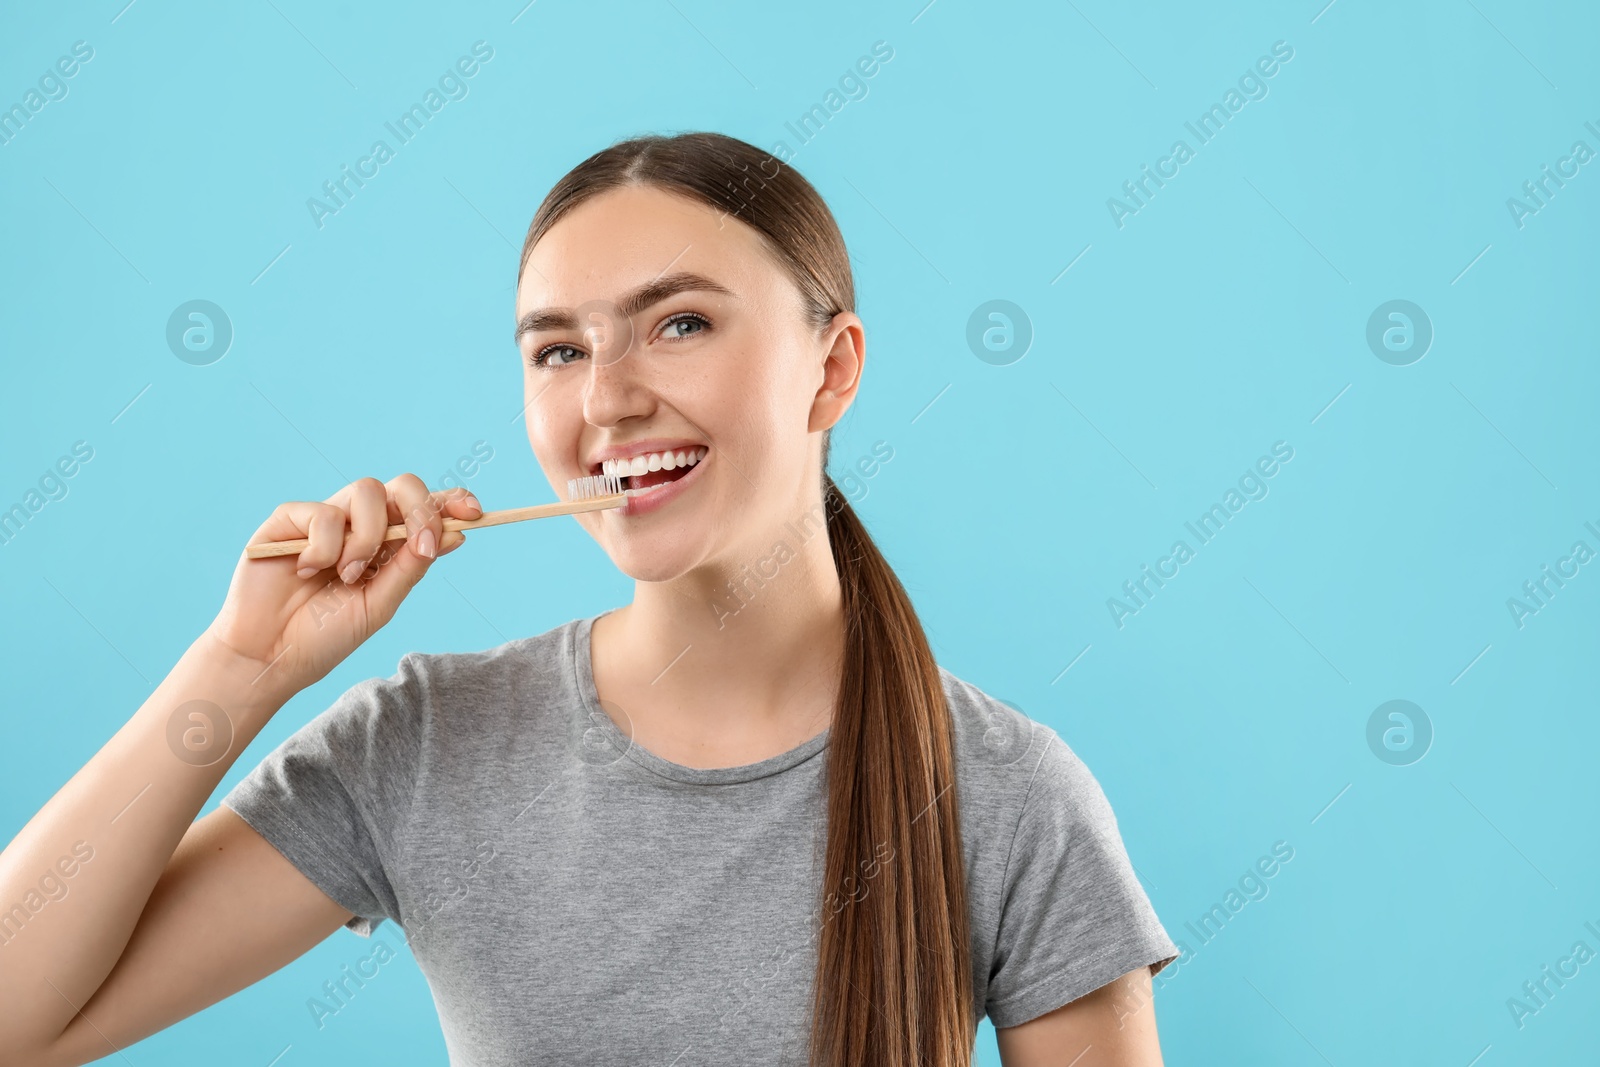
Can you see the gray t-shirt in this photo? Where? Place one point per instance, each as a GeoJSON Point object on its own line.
{"type": "Point", "coordinates": [574, 898]}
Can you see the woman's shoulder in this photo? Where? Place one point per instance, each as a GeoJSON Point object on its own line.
{"type": "Point", "coordinates": [1058, 909]}
{"type": "Point", "coordinates": [436, 694]}
{"type": "Point", "coordinates": [993, 734]}
{"type": "Point", "coordinates": [1005, 759]}
{"type": "Point", "coordinates": [542, 660]}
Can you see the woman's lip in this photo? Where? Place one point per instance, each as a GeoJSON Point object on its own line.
{"type": "Point", "coordinates": [659, 498]}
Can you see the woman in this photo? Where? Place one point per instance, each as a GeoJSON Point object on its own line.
{"type": "Point", "coordinates": [744, 819]}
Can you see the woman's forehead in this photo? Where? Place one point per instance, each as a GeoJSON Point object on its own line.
{"type": "Point", "coordinates": [624, 238]}
{"type": "Point", "coordinates": [641, 218]}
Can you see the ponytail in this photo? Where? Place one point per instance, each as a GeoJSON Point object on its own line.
{"type": "Point", "coordinates": [894, 980]}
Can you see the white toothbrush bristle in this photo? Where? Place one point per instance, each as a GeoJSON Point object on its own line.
{"type": "Point", "coordinates": [595, 485]}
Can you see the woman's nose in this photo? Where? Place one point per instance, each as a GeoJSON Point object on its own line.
{"type": "Point", "coordinates": [615, 389]}
{"type": "Point", "coordinates": [607, 332]}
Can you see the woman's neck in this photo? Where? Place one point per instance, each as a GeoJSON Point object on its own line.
{"type": "Point", "coordinates": [726, 668]}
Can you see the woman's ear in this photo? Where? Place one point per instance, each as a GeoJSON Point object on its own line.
{"type": "Point", "coordinates": [843, 352]}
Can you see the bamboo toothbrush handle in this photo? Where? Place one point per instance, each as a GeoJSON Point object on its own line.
{"type": "Point", "coordinates": [268, 549]}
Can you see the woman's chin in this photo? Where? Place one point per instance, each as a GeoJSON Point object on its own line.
{"type": "Point", "coordinates": [652, 560]}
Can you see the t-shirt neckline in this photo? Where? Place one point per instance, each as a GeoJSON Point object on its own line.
{"type": "Point", "coordinates": [583, 674]}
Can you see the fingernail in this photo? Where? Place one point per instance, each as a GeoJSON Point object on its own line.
{"type": "Point", "coordinates": [474, 502]}
{"type": "Point", "coordinates": [306, 572]}
{"type": "Point", "coordinates": [352, 571]}
{"type": "Point", "coordinates": [425, 545]}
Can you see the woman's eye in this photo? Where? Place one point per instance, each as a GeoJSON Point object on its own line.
{"type": "Point", "coordinates": [672, 332]}
{"type": "Point", "coordinates": [556, 356]}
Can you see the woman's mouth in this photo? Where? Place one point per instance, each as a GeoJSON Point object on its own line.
{"type": "Point", "coordinates": [651, 480]}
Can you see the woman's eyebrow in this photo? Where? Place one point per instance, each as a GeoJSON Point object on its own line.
{"type": "Point", "coordinates": [632, 302]}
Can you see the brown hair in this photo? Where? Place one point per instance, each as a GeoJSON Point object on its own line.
{"type": "Point", "coordinates": [893, 985]}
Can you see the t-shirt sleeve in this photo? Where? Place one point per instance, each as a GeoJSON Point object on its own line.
{"type": "Point", "coordinates": [333, 796]}
{"type": "Point", "coordinates": [1075, 916]}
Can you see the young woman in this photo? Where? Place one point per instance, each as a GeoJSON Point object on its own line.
{"type": "Point", "coordinates": [744, 819]}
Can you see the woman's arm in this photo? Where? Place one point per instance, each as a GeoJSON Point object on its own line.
{"type": "Point", "coordinates": [144, 930]}
{"type": "Point", "coordinates": [227, 911]}
{"type": "Point", "coordinates": [1115, 1026]}
{"type": "Point", "coordinates": [119, 914]}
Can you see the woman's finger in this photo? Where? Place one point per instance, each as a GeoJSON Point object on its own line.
{"type": "Point", "coordinates": [326, 533]}
{"type": "Point", "coordinates": [453, 539]}
{"type": "Point", "coordinates": [421, 515]}
{"type": "Point", "coordinates": [368, 507]}
{"type": "Point", "coordinates": [459, 503]}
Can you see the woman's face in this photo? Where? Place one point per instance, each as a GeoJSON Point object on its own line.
{"type": "Point", "coordinates": [651, 323]}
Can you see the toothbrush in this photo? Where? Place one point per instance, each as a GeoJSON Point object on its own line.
{"type": "Point", "coordinates": [594, 493]}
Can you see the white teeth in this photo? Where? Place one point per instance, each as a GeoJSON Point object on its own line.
{"type": "Point", "coordinates": [652, 461]}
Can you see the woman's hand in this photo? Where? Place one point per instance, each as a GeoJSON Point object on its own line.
{"type": "Point", "coordinates": [302, 615]}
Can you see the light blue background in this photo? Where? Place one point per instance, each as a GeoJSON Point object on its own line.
{"type": "Point", "coordinates": [1228, 314]}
